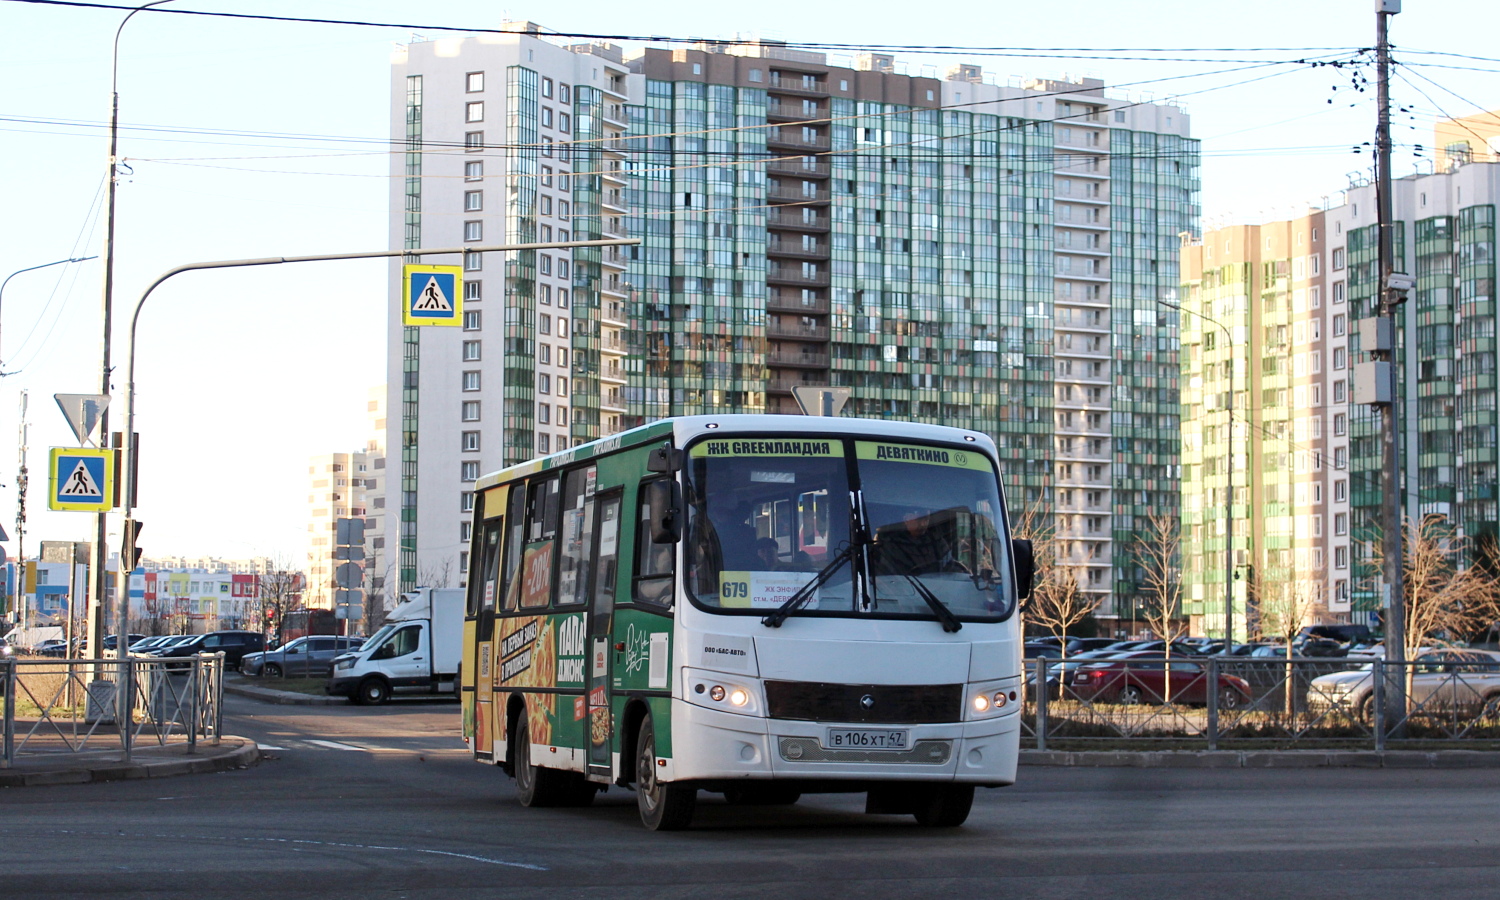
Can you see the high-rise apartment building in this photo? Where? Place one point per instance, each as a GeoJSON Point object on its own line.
{"type": "Point", "coordinates": [378, 562]}
{"type": "Point", "coordinates": [506, 138]}
{"type": "Point", "coordinates": [1264, 360]}
{"type": "Point", "coordinates": [336, 491]}
{"type": "Point", "coordinates": [951, 249]}
{"type": "Point", "coordinates": [1466, 140]}
{"type": "Point", "coordinates": [1307, 460]}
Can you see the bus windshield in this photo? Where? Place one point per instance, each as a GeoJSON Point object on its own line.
{"type": "Point", "coordinates": [767, 514]}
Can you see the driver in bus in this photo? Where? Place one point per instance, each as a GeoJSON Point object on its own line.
{"type": "Point", "coordinates": [913, 546]}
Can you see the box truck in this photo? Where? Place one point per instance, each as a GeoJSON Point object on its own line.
{"type": "Point", "coordinates": [415, 652]}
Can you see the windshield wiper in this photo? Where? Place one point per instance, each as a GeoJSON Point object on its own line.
{"type": "Point", "coordinates": [943, 613]}
{"type": "Point", "coordinates": [804, 593]}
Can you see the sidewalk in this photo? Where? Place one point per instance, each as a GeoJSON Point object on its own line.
{"type": "Point", "coordinates": [243, 687]}
{"type": "Point", "coordinates": [1265, 759]}
{"type": "Point", "coordinates": [47, 761]}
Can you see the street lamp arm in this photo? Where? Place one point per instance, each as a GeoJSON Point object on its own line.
{"type": "Point", "coordinates": [33, 269]}
{"type": "Point", "coordinates": [114, 82]}
{"type": "Point", "coordinates": [135, 317]}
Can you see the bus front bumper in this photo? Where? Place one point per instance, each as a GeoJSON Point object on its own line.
{"type": "Point", "coordinates": [712, 745]}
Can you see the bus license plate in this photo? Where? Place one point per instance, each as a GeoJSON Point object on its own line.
{"type": "Point", "coordinates": [866, 739]}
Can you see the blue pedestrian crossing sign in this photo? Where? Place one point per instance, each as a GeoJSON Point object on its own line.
{"type": "Point", "coordinates": [432, 295]}
{"type": "Point", "coordinates": [81, 480]}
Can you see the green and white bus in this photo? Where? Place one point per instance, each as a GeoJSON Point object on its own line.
{"type": "Point", "coordinates": [758, 606]}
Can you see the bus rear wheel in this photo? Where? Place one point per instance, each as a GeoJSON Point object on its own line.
{"type": "Point", "coordinates": [541, 786]}
{"type": "Point", "coordinates": [664, 806]}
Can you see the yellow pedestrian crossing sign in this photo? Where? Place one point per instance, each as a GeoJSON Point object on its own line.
{"type": "Point", "coordinates": [81, 480]}
{"type": "Point", "coordinates": [432, 295]}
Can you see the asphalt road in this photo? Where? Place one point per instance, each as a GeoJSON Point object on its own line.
{"type": "Point", "coordinates": [384, 803]}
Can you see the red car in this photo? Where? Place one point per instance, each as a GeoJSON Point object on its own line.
{"type": "Point", "coordinates": [1148, 677]}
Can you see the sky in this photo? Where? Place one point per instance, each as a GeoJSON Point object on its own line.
{"type": "Point", "coordinates": [248, 138]}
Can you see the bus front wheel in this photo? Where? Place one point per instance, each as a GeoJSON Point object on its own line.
{"type": "Point", "coordinates": [945, 807]}
{"type": "Point", "coordinates": [665, 806]}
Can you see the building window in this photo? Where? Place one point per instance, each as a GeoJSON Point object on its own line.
{"type": "Point", "coordinates": [470, 441]}
{"type": "Point", "coordinates": [546, 87]}
{"type": "Point", "coordinates": [1340, 423]}
{"type": "Point", "coordinates": [472, 291]}
{"type": "Point", "coordinates": [1341, 557]}
{"type": "Point", "coordinates": [473, 262]}
{"type": "Point", "coordinates": [474, 231]}
{"type": "Point", "coordinates": [473, 140]}
{"type": "Point", "coordinates": [544, 324]}
{"type": "Point", "coordinates": [1338, 325]}
{"type": "Point", "coordinates": [756, 76]}
{"type": "Point", "coordinates": [475, 82]}
{"type": "Point", "coordinates": [546, 205]}
{"type": "Point", "coordinates": [1341, 523]}
{"type": "Point", "coordinates": [1338, 259]}
{"type": "Point", "coordinates": [466, 530]}
{"type": "Point", "coordinates": [546, 117]}
{"type": "Point", "coordinates": [1339, 357]}
{"type": "Point", "coordinates": [473, 201]}
{"type": "Point", "coordinates": [544, 413]}
{"type": "Point", "coordinates": [543, 443]}
{"type": "Point", "coordinates": [544, 264]}
{"type": "Point", "coordinates": [1338, 392]}
{"type": "Point", "coordinates": [564, 94]}
{"type": "Point", "coordinates": [546, 176]}
{"type": "Point", "coordinates": [543, 383]}
{"type": "Point", "coordinates": [468, 470]}
{"type": "Point", "coordinates": [562, 357]}
{"type": "Point", "coordinates": [562, 386]}
{"type": "Point", "coordinates": [471, 351]}
{"type": "Point", "coordinates": [466, 501]}
{"type": "Point", "coordinates": [471, 320]}
{"type": "Point", "coordinates": [544, 294]}
{"type": "Point", "coordinates": [564, 122]}
{"type": "Point", "coordinates": [544, 354]}
{"type": "Point", "coordinates": [473, 170]}
{"type": "Point", "coordinates": [562, 298]}
{"type": "Point", "coordinates": [1340, 491]}
{"type": "Point", "coordinates": [471, 381]}
{"type": "Point", "coordinates": [471, 410]}
{"type": "Point", "coordinates": [474, 112]}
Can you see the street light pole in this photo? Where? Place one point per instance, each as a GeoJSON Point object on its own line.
{"type": "Point", "coordinates": [98, 557]}
{"type": "Point", "coordinates": [1229, 490]}
{"type": "Point", "coordinates": [129, 461]}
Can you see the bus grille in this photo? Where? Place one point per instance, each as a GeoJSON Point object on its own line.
{"type": "Point", "coordinates": [804, 750]}
{"type": "Point", "coordinates": [887, 704]}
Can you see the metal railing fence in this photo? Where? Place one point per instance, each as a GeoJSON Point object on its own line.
{"type": "Point", "coordinates": [54, 707]}
{"type": "Point", "coordinates": [1243, 703]}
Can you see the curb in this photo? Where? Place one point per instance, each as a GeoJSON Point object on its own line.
{"type": "Point", "coordinates": [1264, 759]}
{"type": "Point", "coordinates": [286, 698]}
{"type": "Point", "coordinates": [243, 756]}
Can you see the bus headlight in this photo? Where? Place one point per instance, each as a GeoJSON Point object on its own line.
{"type": "Point", "coordinates": [715, 690]}
{"type": "Point", "coordinates": [992, 698]}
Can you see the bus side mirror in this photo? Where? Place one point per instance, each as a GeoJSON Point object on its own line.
{"type": "Point", "coordinates": [1025, 559]}
{"type": "Point", "coordinates": [661, 499]}
{"type": "Point", "coordinates": [665, 459]}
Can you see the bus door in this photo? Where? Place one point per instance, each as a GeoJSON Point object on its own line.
{"type": "Point", "coordinates": [483, 587]}
{"type": "Point", "coordinates": [601, 615]}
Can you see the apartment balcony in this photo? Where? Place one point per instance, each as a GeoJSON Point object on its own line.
{"type": "Point", "coordinates": [786, 385]}
{"type": "Point", "coordinates": [781, 218]}
{"type": "Point", "coordinates": [612, 345]}
{"type": "Point", "coordinates": [817, 306]}
{"type": "Point", "coordinates": [807, 360]}
{"type": "Point", "coordinates": [809, 87]}
{"type": "Point", "coordinates": [794, 112]}
{"type": "Point", "coordinates": [614, 286]}
{"type": "Point", "coordinates": [796, 140]}
{"type": "Point", "coordinates": [786, 275]}
{"type": "Point", "coordinates": [614, 113]}
{"type": "Point", "coordinates": [797, 195]}
{"type": "Point", "coordinates": [797, 332]}
{"type": "Point", "coordinates": [613, 312]}
{"type": "Point", "coordinates": [614, 200]}
{"type": "Point", "coordinates": [798, 167]}
{"type": "Point", "coordinates": [814, 250]}
{"type": "Point", "coordinates": [612, 373]}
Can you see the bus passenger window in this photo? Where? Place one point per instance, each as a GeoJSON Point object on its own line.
{"type": "Point", "coordinates": [654, 562]}
{"type": "Point", "coordinates": [533, 583]}
{"type": "Point", "coordinates": [577, 537]}
{"type": "Point", "coordinates": [489, 566]}
{"type": "Point", "coordinates": [513, 543]}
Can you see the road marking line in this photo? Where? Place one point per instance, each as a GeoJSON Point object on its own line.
{"type": "Point", "coordinates": [268, 747]}
{"type": "Point", "coordinates": [334, 745]}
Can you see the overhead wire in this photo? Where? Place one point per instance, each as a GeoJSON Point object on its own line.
{"type": "Point", "coordinates": [82, 239]}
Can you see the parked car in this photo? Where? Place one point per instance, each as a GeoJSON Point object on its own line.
{"type": "Point", "coordinates": [234, 645]}
{"type": "Point", "coordinates": [1148, 677]}
{"type": "Point", "coordinates": [304, 657]}
{"type": "Point", "coordinates": [151, 643]}
{"type": "Point", "coordinates": [5, 649]}
{"type": "Point", "coordinates": [1443, 681]}
{"type": "Point", "coordinates": [130, 639]}
{"type": "Point", "coordinates": [1033, 649]}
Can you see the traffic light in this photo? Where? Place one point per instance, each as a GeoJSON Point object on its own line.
{"type": "Point", "coordinates": [132, 537]}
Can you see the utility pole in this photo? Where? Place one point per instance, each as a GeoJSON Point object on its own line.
{"type": "Point", "coordinates": [1391, 296]}
{"type": "Point", "coordinates": [21, 481]}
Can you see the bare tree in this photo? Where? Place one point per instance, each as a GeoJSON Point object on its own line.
{"type": "Point", "coordinates": [436, 575]}
{"type": "Point", "coordinates": [1058, 602]}
{"type": "Point", "coordinates": [1444, 597]}
{"type": "Point", "coordinates": [279, 591]}
{"type": "Point", "coordinates": [1156, 552]}
{"type": "Point", "coordinates": [1285, 605]}
{"type": "Point", "coordinates": [375, 594]}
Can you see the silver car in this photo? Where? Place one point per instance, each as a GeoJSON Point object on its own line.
{"type": "Point", "coordinates": [1464, 681]}
{"type": "Point", "coordinates": [304, 657]}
